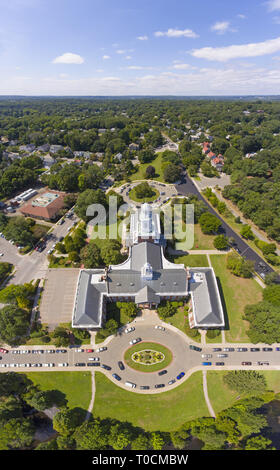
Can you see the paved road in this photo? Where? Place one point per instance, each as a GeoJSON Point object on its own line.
{"type": "Point", "coordinates": [33, 265]}
{"type": "Point", "coordinates": [184, 359]}
{"type": "Point", "coordinates": [245, 250]}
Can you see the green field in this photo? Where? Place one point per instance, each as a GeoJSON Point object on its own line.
{"type": "Point", "coordinates": [141, 172]}
{"type": "Point", "coordinates": [237, 293]}
{"type": "Point", "coordinates": [202, 241]}
{"type": "Point", "coordinates": [165, 411]}
{"type": "Point", "coordinates": [221, 397]}
{"type": "Point", "coordinates": [193, 261]}
{"type": "Point", "coordinates": [75, 385]}
{"type": "Point", "coordinates": [148, 346]}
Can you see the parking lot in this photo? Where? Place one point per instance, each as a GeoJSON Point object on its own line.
{"type": "Point", "coordinates": [58, 296]}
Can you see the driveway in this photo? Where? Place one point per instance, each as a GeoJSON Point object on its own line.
{"type": "Point", "coordinates": [58, 296]}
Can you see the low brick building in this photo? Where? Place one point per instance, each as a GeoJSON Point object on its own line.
{"type": "Point", "coordinates": [46, 206]}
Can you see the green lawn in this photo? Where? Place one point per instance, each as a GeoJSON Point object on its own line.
{"type": "Point", "coordinates": [148, 346]}
{"type": "Point", "coordinates": [202, 241]}
{"type": "Point", "coordinates": [221, 397]}
{"type": "Point", "coordinates": [193, 261]}
{"type": "Point", "coordinates": [180, 321]}
{"type": "Point", "coordinates": [132, 195]}
{"type": "Point", "coordinates": [165, 411]}
{"type": "Point", "coordinates": [141, 172]}
{"type": "Point", "coordinates": [237, 293]}
{"type": "Point", "coordinates": [75, 385]}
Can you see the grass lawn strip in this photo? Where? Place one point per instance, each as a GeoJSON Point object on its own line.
{"type": "Point", "coordinates": [236, 292]}
{"type": "Point", "coordinates": [165, 411]}
{"type": "Point", "coordinates": [75, 385]}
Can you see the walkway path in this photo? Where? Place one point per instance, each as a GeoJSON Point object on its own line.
{"type": "Point", "coordinates": [205, 390]}
{"type": "Point", "coordinates": [90, 407]}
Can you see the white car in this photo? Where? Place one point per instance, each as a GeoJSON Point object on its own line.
{"type": "Point", "coordinates": [1, 254]}
{"type": "Point", "coordinates": [159, 327]}
{"type": "Point", "coordinates": [79, 350]}
{"type": "Point", "coordinates": [94, 359]}
{"type": "Point", "coordinates": [129, 330]}
{"type": "Point", "coordinates": [101, 349]}
{"type": "Point", "coordinates": [63, 364]}
{"type": "Point", "coordinates": [134, 341]}
{"type": "Point", "coordinates": [206, 356]}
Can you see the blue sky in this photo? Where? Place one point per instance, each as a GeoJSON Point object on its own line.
{"type": "Point", "coordinates": [139, 47]}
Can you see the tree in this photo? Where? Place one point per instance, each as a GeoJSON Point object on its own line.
{"type": "Point", "coordinates": [61, 336]}
{"type": "Point", "coordinates": [271, 294]}
{"type": "Point", "coordinates": [142, 442]}
{"type": "Point", "coordinates": [171, 173]}
{"type": "Point", "coordinates": [90, 256]}
{"type": "Point", "coordinates": [157, 440]}
{"type": "Point", "coordinates": [12, 383]}
{"type": "Point", "coordinates": [110, 252]}
{"type": "Point", "coordinates": [128, 309]}
{"type": "Point", "coordinates": [221, 242]}
{"type": "Point", "coordinates": [14, 323]}
{"type": "Point", "coordinates": [143, 190]}
{"type": "Point", "coordinates": [66, 421]}
{"type": "Point", "coordinates": [92, 435]}
{"type": "Point", "coordinates": [209, 223]}
{"type": "Point", "coordinates": [246, 232]}
{"type": "Point", "coordinates": [239, 266]}
{"type": "Point", "coordinates": [16, 434]}
{"type": "Point", "coordinates": [271, 278]}
{"type": "Point", "coordinates": [86, 198]}
{"type": "Point", "coordinates": [264, 322]}
{"type": "Point", "coordinates": [15, 292]}
{"type": "Point", "coordinates": [119, 437]}
{"type": "Point", "coordinates": [41, 400]}
{"type": "Point", "coordinates": [167, 310]}
{"type": "Point", "coordinates": [245, 381]}
{"type": "Point", "coordinates": [258, 443]}
{"type": "Point", "coordinates": [150, 171]}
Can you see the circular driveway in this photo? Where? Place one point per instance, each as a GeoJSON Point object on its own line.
{"type": "Point", "coordinates": [183, 358]}
{"type": "Point", "coordinates": [166, 191]}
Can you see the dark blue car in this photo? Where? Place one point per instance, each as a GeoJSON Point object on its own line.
{"type": "Point", "coordinates": [116, 376]}
{"type": "Point", "coordinates": [180, 375]}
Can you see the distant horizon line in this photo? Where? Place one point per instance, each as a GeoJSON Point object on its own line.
{"type": "Point", "coordinates": [258, 96]}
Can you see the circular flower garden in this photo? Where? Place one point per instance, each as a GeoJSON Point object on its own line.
{"type": "Point", "coordinates": [148, 357]}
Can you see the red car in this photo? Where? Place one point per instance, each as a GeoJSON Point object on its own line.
{"type": "Point", "coordinates": [89, 350]}
{"type": "Point", "coordinates": [4, 351]}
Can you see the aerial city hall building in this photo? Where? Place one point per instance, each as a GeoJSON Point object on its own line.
{"type": "Point", "coordinates": [147, 278]}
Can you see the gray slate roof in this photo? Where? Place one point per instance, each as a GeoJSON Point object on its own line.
{"type": "Point", "coordinates": [206, 299]}
{"type": "Point", "coordinates": [88, 307]}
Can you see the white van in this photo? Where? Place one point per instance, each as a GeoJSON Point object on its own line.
{"type": "Point", "coordinates": [130, 384]}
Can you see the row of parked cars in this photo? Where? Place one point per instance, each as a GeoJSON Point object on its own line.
{"type": "Point", "coordinates": [147, 387]}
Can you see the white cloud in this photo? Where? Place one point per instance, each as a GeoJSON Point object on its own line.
{"type": "Point", "coordinates": [273, 5]}
{"type": "Point", "coordinates": [135, 67]}
{"type": "Point", "coordinates": [68, 58]}
{"type": "Point", "coordinates": [106, 57]}
{"type": "Point", "coordinates": [220, 27]}
{"type": "Point", "coordinates": [128, 57]}
{"type": "Point", "coordinates": [223, 80]}
{"type": "Point", "coordinates": [241, 16]}
{"type": "Point", "coordinates": [142, 38]}
{"type": "Point", "coordinates": [120, 51]}
{"type": "Point", "coordinates": [223, 54]}
{"type": "Point", "coordinates": [177, 33]}
{"type": "Point", "coordinates": [179, 66]}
